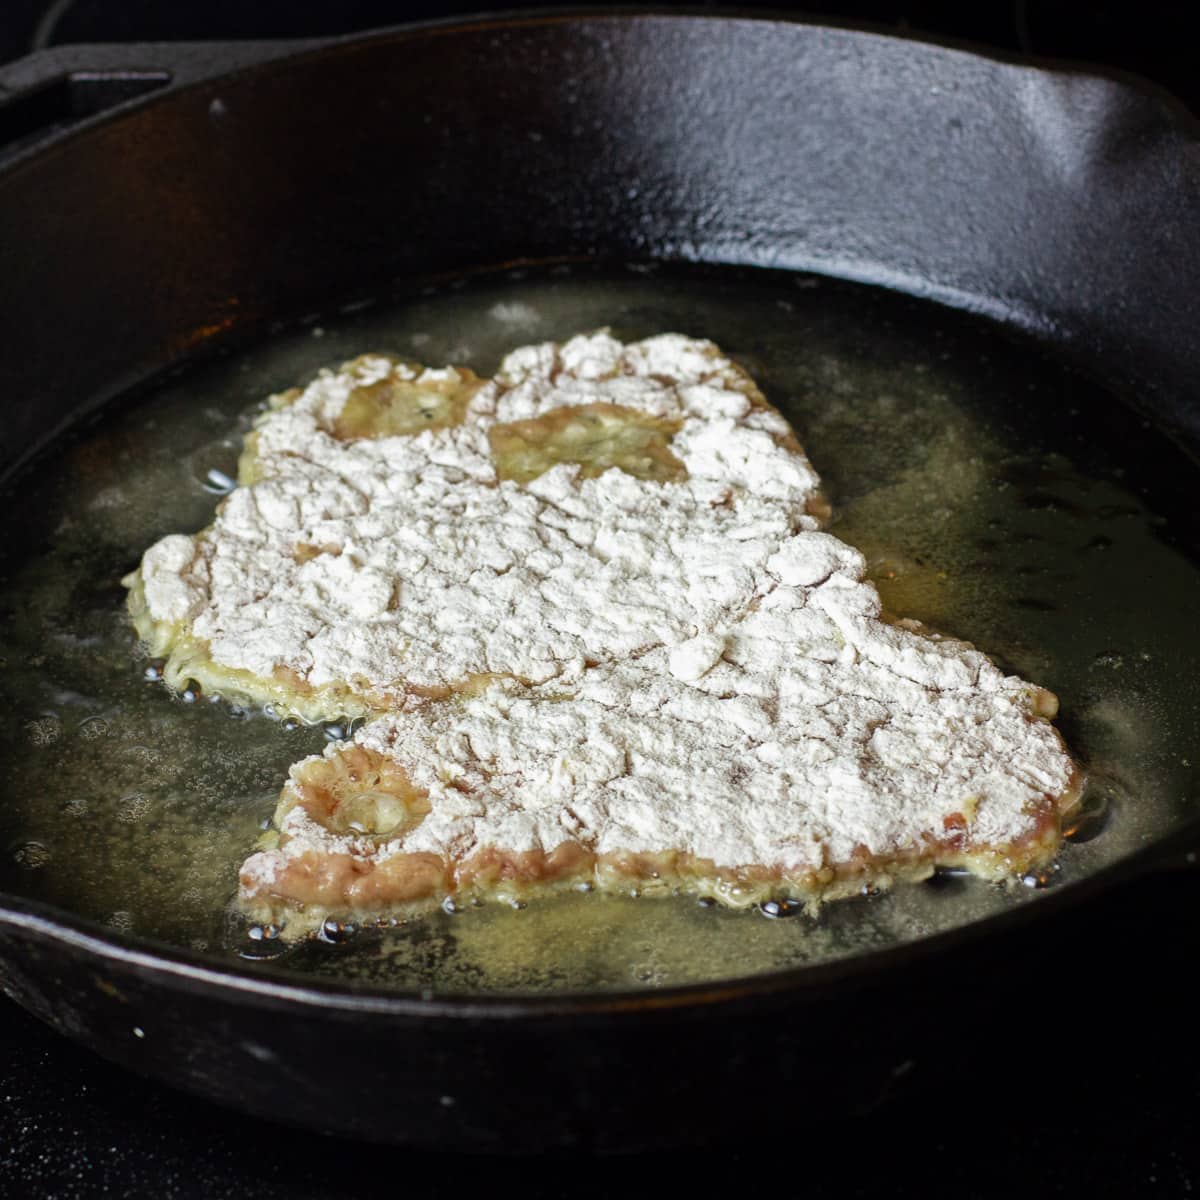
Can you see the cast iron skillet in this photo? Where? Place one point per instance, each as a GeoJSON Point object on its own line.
{"type": "Point", "coordinates": [258, 183]}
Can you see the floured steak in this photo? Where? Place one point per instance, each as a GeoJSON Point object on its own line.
{"type": "Point", "coordinates": [600, 639]}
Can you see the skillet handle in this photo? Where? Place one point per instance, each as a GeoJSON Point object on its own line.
{"type": "Point", "coordinates": [53, 91]}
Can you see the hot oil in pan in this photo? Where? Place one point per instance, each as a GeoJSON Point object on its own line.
{"type": "Point", "coordinates": [996, 496]}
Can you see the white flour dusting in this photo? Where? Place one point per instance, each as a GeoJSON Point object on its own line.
{"type": "Point", "coordinates": [809, 736]}
{"type": "Point", "coordinates": [431, 570]}
{"type": "Point", "coordinates": [683, 666]}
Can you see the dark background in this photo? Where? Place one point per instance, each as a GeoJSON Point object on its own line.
{"type": "Point", "coordinates": [1106, 1106]}
{"type": "Point", "coordinates": [1150, 37]}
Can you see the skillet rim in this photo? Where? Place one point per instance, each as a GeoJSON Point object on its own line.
{"type": "Point", "coordinates": [256, 55]}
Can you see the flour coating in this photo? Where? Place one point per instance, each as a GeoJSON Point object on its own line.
{"type": "Point", "coordinates": [396, 565]}
{"type": "Point", "coordinates": [811, 736]}
{"type": "Point", "coordinates": [658, 669]}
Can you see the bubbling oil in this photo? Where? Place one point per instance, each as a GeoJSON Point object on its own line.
{"type": "Point", "coordinates": [997, 496]}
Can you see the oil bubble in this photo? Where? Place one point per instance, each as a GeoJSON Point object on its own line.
{"type": "Point", "coordinates": [1040, 878]}
{"type": "Point", "coordinates": [214, 467]}
{"type": "Point", "coordinates": [1091, 819]}
{"type": "Point", "coordinates": [263, 942]}
{"type": "Point", "coordinates": [44, 731]}
{"type": "Point", "coordinates": [132, 808]}
{"type": "Point", "coordinates": [32, 855]}
{"type": "Point", "coordinates": [93, 728]}
{"type": "Point", "coordinates": [948, 879]}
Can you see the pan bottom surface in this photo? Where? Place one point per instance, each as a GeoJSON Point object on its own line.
{"type": "Point", "coordinates": [998, 496]}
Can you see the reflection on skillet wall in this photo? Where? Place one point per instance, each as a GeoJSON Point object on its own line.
{"type": "Point", "coordinates": [1144, 36]}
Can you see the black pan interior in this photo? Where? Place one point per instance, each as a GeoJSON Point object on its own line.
{"type": "Point", "coordinates": [997, 495]}
{"type": "Point", "coordinates": [1057, 204]}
